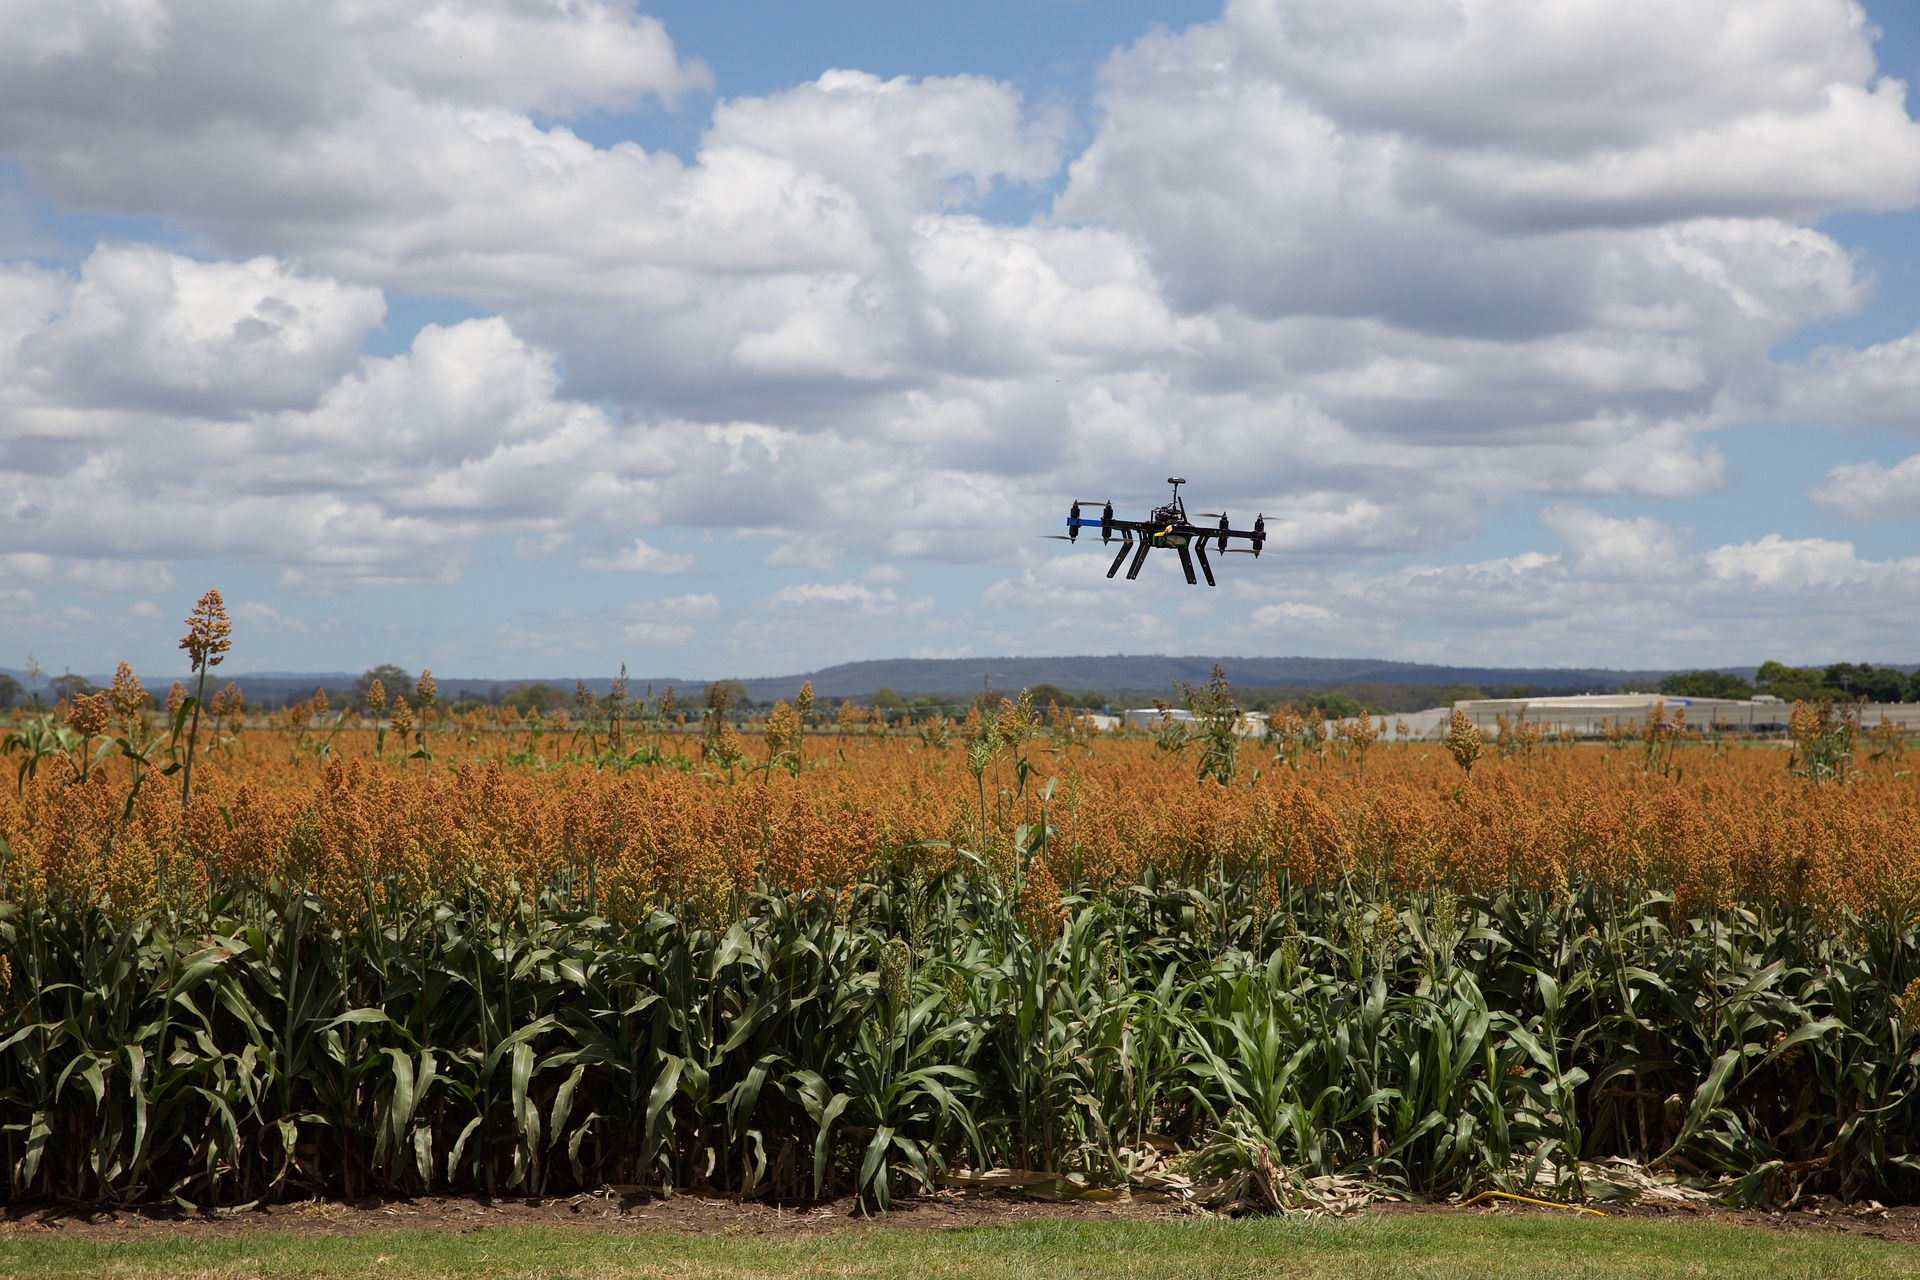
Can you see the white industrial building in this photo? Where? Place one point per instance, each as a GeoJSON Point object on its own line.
{"type": "Point", "coordinates": [1252, 724]}
{"type": "Point", "coordinates": [1588, 715]}
{"type": "Point", "coordinates": [1581, 715]}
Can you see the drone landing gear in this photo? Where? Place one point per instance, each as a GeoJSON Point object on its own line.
{"type": "Point", "coordinates": [1125, 546]}
{"type": "Point", "coordinates": [1186, 564]}
{"type": "Point", "coordinates": [1139, 558]}
{"type": "Point", "coordinates": [1200, 549]}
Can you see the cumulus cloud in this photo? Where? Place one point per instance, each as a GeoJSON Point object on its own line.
{"type": "Point", "coordinates": [1804, 598]}
{"type": "Point", "coordinates": [901, 145]}
{"type": "Point", "coordinates": [24, 569]}
{"type": "Point", "coordinates": [641, 557]}
{"type": "Point", "coordinates": [538, 55]}
{"type": "Point", "coordinates": [1637, 549]}
{"type": "Point", "coordinates": [670, 621]}
{"type": "Point", "coordinates": [391, 475]}
{"type": "Point", "coordinates": [145, 328]}
{"type": "Point", "coordinates": [1870, 491]}
{"type": "Point", "coordinates": [1568, 111]}
{"type": "Point", "coordinates": [1792, 563]}
{"type": "Point", "coordinates": [1873, 386]}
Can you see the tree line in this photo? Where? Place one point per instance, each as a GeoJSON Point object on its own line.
{"type": "Point", "coordinates": [1839, 682]}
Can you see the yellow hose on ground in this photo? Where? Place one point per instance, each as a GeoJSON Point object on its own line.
{"type": "Point", "coordinates": [1469, 1202]}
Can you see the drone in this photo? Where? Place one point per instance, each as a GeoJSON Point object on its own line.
{"type": "Point", "coordinates": [1169, 527]}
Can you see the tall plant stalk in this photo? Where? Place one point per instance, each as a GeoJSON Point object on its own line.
{"type": "Point", "coordinates": [209, 636]}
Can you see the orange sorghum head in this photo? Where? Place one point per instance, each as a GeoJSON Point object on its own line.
{"type": "Point", "coordinates": [209, 632]}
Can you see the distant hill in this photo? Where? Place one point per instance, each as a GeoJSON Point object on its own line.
{"type": "Point", "coordinates": [1143, 675]}
{"type": "Point", "coordinates": [916, 677]}
{"type": "Point", "coordinates": [911, 677]}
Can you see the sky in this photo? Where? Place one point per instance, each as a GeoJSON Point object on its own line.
{"type": "Point", "coordinates": [741, 337]}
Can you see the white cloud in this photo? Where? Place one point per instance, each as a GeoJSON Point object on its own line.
{"type": "Point", "coordinates": [261, 618]}
{"type": "Point", "coordinates": [1874, 386]}
{"type": "Point", "coordinates": [546, 55]}
{"type": "Point", "coordinates": [1566, 111]}
{"type": "Point", "coordinates": [1556, 74]}
{"type": "Point", "coordinates": [900, 145]}
{"type": "Point", "coordinates": [145, 328]}
{"type": "Point", "coordinates": [670, 621]}
{"type": "Point", "coordinates": [856, 597]}
{"type": "Point", "coordinates": [660, 633]}
{"type": "Point", "coordinates": [1295, 613]}
{"type": "Point", "coordinates": [391, 476]}
{"type": "Point", "coordinates": [1623, 550]}
{"type": "Point", "coordinates": [695, 605]}
{"type": "Point", "coordinates": [803, 551]}
{"type": "Point", "coordinates": [94, 577]}
{"type": "Point", "coordinates": [1792, 564]}
{"type": "Point", "coordinates": [1870, 491]}
{"type": "Point", "coordinates": [642, 558]}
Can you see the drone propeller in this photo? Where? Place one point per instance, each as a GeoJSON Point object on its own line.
{"type": "Point", "coordinates": [1054, 537]}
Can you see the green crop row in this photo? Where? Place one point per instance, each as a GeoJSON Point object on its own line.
{"type": "Point", "coordinates": [871, 1040]}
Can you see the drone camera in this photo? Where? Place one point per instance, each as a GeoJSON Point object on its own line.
{"type": "Point", "coordinates": [1167, 526]}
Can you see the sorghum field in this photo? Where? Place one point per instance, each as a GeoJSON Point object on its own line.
{"type": "Point", "coordinates": [404, 950]}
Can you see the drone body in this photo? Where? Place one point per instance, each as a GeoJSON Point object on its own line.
{"type": "Point", "coordinates": [1169, 527]}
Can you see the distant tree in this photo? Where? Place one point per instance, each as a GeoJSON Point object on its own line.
{"type": "Point", "coordinates": [395, 680]}
{"type": "Point", "coordinates": [722, 696]}
{"type": "Point", "coordinates": [1334, 705]}
{"type": "Point", "coordinates": [1795, 684]}
{"type": "Point", "coordinates": [70, 686]}
{"type": "Point", "coordinates": [539, 696]}
{"type": "Point", "coordinates": [887, 700]}
{"type": "Point", "coordinates": [1864, 681]}
{"type": "Point", "coordinates": [10, 691]}
{"type": "Point", "coordinates": [1705, 684]}
{"type": "Point", "coordinates": [1045, 693]}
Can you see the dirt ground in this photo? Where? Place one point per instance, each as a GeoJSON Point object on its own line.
{"type": "Point", "coordinates": [691, 1214]}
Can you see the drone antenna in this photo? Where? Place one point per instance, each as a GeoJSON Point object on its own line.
{"type": "Point", "coordinates": [1176, 482]}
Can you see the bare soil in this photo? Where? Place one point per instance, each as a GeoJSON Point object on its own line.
{"type": "Point", "coordinates": [684, 1214]}
{"type": "Point", "coordinates": [692, 1214]}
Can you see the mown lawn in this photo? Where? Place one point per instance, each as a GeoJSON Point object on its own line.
{"type": "Point", "coordinates": [1440, 1247]}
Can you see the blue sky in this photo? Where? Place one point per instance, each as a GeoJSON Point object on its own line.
{"type": "Point", "coordinates": [511, 337]}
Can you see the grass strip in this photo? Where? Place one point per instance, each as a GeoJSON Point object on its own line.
{"type": "Point", "coordinates": [1428, 1246]}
